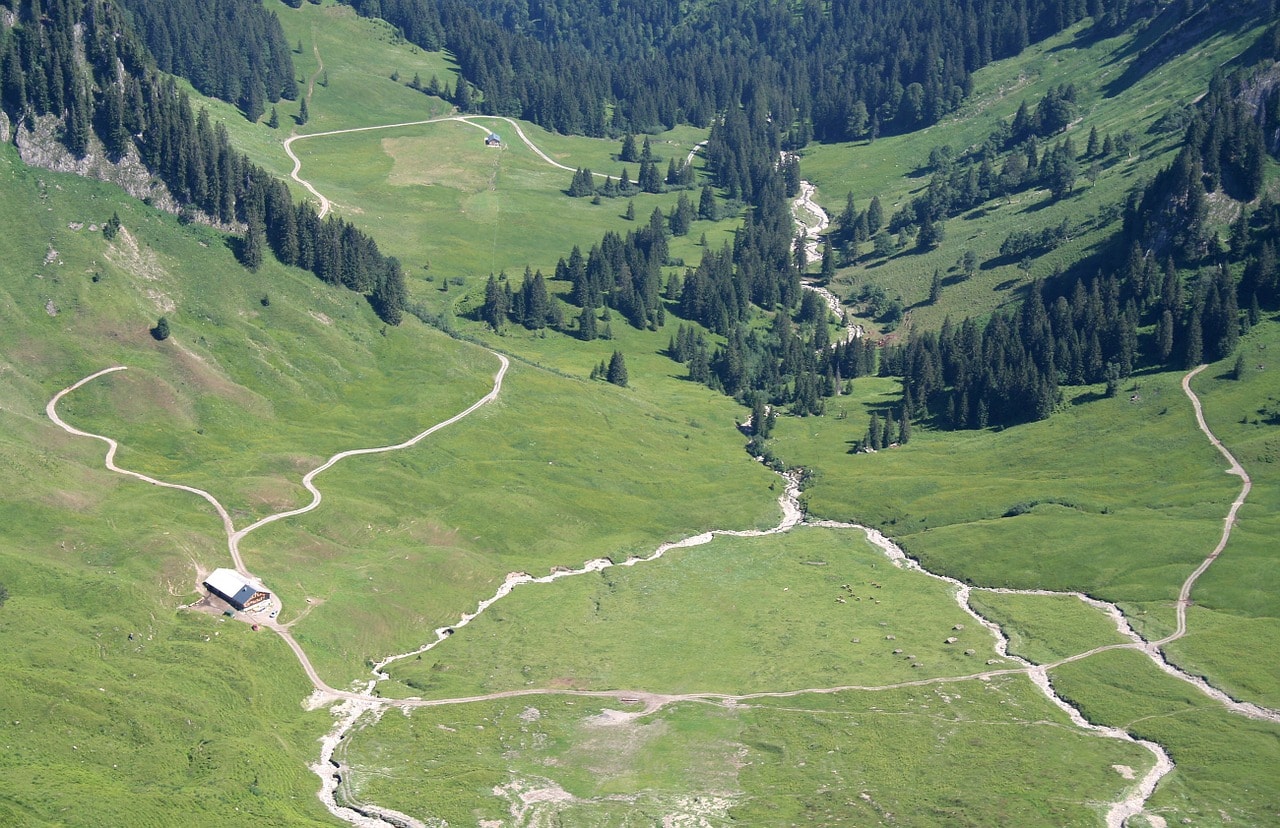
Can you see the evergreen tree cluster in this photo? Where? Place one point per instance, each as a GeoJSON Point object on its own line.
{"type": "Point", "coordinates": [650, 179]}
{"type": "Point", "coordinates": [234, 50]}
{"type": "Point", "coordinates": [614, 371]}
{"type": "Point", "coordinates": [840, 70]}
{"type": "Point", "coordinates": [40, 70]}
{"type": "Point", "coordinates": [624, 273]}
{"type": "Point", "coordinates": [962, 183]}
{"type": "Point", "coordinates": [885, 431]}
{"type": "Point", "coordinates": [531, 305]}
{"type": "Point", "coordinates": [1224, 149]}
{"type": "Point", "coordinates": [139, 109]}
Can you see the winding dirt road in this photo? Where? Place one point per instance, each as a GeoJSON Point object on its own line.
{"type": "Point", "coordinates": [235, 536]}
{"type": "Point", "coordinates": [353, 704]}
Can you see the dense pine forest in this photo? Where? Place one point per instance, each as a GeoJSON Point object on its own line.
{"type": "Point", "coordinates": [833, 71]}
{"type": "Point", "coordinates": [1131, 305]}
{"type": "Point", "coordinates": [229, 49]}
{"type": "Point", "coordinates": [80, 63]}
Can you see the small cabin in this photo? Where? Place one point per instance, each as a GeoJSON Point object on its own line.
{"type": "Point", "coordinates": [493, 140]}
{"type": "Point", "coordinates": [235, 589]}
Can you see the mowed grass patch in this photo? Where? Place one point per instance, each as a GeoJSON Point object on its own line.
{"type": "Point", "coordinates": [359, 55]}
{"type": "Point", "coordinates": [1236, 612]}
{"type": "Point", "coordinates": [1045, 628]}
{"type": "Point", "coordinates": [841, 759]}
{"type": "Point", "coordinates": [1224, 762]}
{"type": "Point", "coordinates": [1118, 498]}
{"type": "Point", "coordinates": [452, 208]}
{"type": "Point", "coordinates": [810, 608]}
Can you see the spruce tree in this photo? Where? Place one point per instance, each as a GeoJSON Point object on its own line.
{"type": "Point", "coordinates": [828, 260]}
{"type": "Point", "coordinates": [875, 216]}
{"type": "Point", "coordinates": [494, 310]}
{"type": "Point", "coordinates": [303, 114]}
{"type": "Point", "coordinates": [617, 373]}
{"type": "Point", "coordinates": [1194, 352]}
{"type": "Point", "coordinates": [707, 208]}
{"type": "Point", "coordinates": [251, 249]}
{"type": "Point", "coordinates": [587, 324]}
{"type": "Point", "coordinates": [389, 296]}
{"type": "Point", "coordinates": [935, 289]}
{"type": "Point", "coordinates": [628, 153]}
{"type": "Point", "coordinates": [462, 96]}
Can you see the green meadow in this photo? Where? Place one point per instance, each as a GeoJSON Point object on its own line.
{"type": "Point", "coordinates": [1235, 615]}
{"type": "Point", "coordinates": [1224, 763]}
{"type": "Point", "coordinates": [1046, 628]}
{"type": "Point", "coordinates": [450, 207]}
{"type": "Point", "coordinates": [844, 759]}
{"type": "Point", "coordinates": [264, 376]}
{"type": "Point", "coordinates": [1116, 498]}
{"type": "Point", "coordinates": [809, 608]}
{"type": "Point", "coordinates": [1110, 98]}
{"type": "Point", "coordinates": [117, 696]}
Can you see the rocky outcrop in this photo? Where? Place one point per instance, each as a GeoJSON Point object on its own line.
{"type": "Point", "coordinates": [38, 145]}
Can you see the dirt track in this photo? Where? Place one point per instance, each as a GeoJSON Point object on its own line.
{"type": "Point", "coordinates": [356, 703]}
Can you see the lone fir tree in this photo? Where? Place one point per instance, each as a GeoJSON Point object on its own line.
{"type": "Point", "coordinates": [617, 373]}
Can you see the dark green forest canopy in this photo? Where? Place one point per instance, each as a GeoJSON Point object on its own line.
{"type": "Point", "coordinates": [835, 71]}
{"type": "Point", "coordinates": [230, 49]}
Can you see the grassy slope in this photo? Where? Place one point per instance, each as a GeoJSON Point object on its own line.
{"type": "Point", "coordinates": [269, 402]}
{"type": "Point", "coordinates": [896, 168]}
{"type": "Point", "coordinates": [241, 399]}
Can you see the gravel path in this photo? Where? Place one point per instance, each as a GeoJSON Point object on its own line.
{"type": "Point", "coordinates": [353, 704]}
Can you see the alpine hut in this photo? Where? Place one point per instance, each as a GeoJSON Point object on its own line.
{"type": "Point", "coordinates": [235, 589]}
